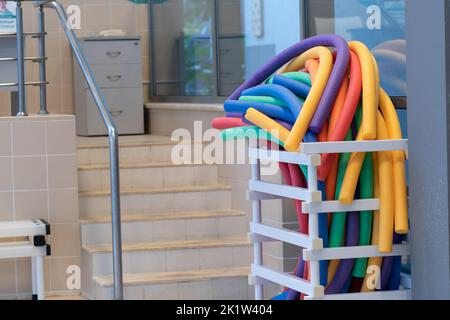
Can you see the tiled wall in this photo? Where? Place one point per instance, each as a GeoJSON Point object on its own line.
{"type": "Point", "coordinates": [38, 179]}
{"type": "Point", "coordinates": [96, 15]}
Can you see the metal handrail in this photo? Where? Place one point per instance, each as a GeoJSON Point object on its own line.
{"type": "Point", "coordinates": [113, 143]}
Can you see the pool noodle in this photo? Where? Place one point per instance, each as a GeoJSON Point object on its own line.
{"type": "Point", "coordinates": [398, 158]}
{"type": "Point", "coordinates": [385, 173]}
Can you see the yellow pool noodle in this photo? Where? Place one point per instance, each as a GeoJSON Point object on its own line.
{"type": "Point", "coordinates": [309, 107]}
{"type": "Point", "coordinates": [266, 123]}
{"type": "Point", "coordinates": [351, 177]}
{"type": "Point", "coordinates": [332, 268]}
{"type": "Point", "coordinates": [374, 261]}
{"type": "Point", "coordinates": [398, 157]}
{"type": "Point", "coordinates": [369, 84]}
{"type": "Point", "coordinates": [386, 180]}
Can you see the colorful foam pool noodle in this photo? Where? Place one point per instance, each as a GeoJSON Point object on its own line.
{"type": "Point", "coordinates": [395, 276]}
{"type": "Point", "coordinates": [324, 108]}
{"type": "Point", "coordinates": [297, 76]}
{"type": "Point", "coordinates": [338, 132]}
{"type": "Point", "coordinates": [352, 176]}
{"type": "Point", "coordinates": [312, 101]}
{"type": "Point", "coordinates": [398, 158]}
{"type": "Point", "coordinates": [298, 88]}
{"type": "Point", "coordinates": [337, 227]}
{"type": "Point", "coordinates": [385, 173]}
{"type": "Point", "coordinates": [270, 110]}
{"type": "Point", "coordinates": [343, 273]}
{"type": "Point", "coordinates": [370, 88]}
{"type": "Point", "coordinates": [298, 180]}
{"type": "Point", "coordinates": [226, 123]}
{"type": "Point", "coordinates": [268, 100]}
{"type": "Point", "coordinates": [278, 92]}
{"type": "Point", "coordinates": [374, 263]}
{"type": "Point", "coordinates": [261, 120]}
{"type": "Point", "coordinates": [292, 52]}
{"type": "Point", "coordinates": [365, 192]}
{"type": "Point", "coordinates": [247, 132]}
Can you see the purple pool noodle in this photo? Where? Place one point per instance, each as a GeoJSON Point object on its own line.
{"type": "Point", "coordinates": [298, 88]}
{"type": "Point", "coordinates": [279, 92]}
{"type": "Point", "coordinates": [299, 270]}
{"type": "Point", "coordinates": [387, 266]}
{"type": "Point", "coordinates": [334, 81]}
{"type": "Point", "coordinates": [233, 115]}
{"type": "Point", "coordinates": [344, 271]}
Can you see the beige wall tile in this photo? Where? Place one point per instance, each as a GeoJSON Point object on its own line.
{"type": "Point", "coordinates": [7, 277]}
{"type": "Point", "coordinates": [31, 205]}
{"type": "Point", "coordinates": [5, 173]}
{"type": "Point", "coordinates": [7, 207]}
{"type": "Point", "coordinates": [63, 206]}
{"type": "Point", "coordinates": [5, 139]}
{"type": "Point", "coordinates": [30, 173]}
{"type": "Point", "coordinates": [28, 138]}
{"type": "Point", "coordinates": [62, 172]}
{"type": "Point", "coordinates": [65, 240]}
{"type": "Point", "coordinates": [61, 137]}
{"type": "Point", "coordinates": [58, 276]}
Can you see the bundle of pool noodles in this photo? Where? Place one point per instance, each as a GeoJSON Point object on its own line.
{"type": "Point", "coordinates": [326, 89]}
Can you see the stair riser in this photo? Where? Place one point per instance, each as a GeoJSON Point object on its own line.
{"type": "Point", "coordinates": [149, 177]}
{"type": "Point", "coordinates": [175, 260]}
{"type": "Point", "coordinates": [157, 202]}
{"type": "Point", "coordinates": [127, 154]}
{"type": "Point", "coordinates": [233, 288]}
{"type": "Point", "coordinates": [138, 154]}
{"type": "Point", "coordinates": [166, 230]}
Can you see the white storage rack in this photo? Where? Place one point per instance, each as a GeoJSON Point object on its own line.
{"type": "Point", "coordinates": [35, 247]}
{"type": "Point", "coordinates": [310, 155]}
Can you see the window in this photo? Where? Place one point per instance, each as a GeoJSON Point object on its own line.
{"type": "Point", "coordinates": [207, 48]}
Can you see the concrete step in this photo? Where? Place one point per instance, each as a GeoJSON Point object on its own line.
{"type": "Point", "coordinates": [209, 284]}
{"type": "Point", "coordinates": [157, 199]}
{"type": "Point", "coordinates": [147, 174]}
{"type": "Point", "coordinates": [133, 149]}
{"type": "Point", "coordinates": [166, 226]}
{"type": "Point", "coordinates": [168, 256]}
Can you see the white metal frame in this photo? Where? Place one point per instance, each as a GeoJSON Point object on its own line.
{"type": "Point", "coordinates": [309, 155]}
{"type": "Point", "coordinates": [24, 249]}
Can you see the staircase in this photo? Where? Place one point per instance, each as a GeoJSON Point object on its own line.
{"type": "Point", "coordinates": [181, 239]}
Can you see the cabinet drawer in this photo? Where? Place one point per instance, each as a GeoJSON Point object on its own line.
{"type": "Point", "coordinates": [126, 107]}
{"type": "Point", "coordinates": [117, 75]}
{"type": "Point", "coordinates": [113, 51]}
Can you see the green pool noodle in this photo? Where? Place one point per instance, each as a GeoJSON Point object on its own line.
{"type": "Point", "coordinates": [297, 76]}
{"type": "Point", "coordinates": [248, 132]}
{"type": "Point", "coordinates": [337, 227]}
{"type": "Point", "coordinates": [365, 192]}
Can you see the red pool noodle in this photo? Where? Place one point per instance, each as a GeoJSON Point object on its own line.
{"type": "Point", "coordinates": [222, 123]}
{"type": "Point", "coordinates": [346, 117]}
{"type": "Point", "coordinates": [298, 180]}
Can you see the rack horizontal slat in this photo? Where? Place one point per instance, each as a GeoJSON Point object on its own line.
{"type": "Point", "coordinates": [287, 280]}
{"type": "Point", "coordinates": [286, 157]}
{"type": "Point", "coordinates": [336, 206]}
{"type": "Point", "coordinates": [26, 228]}
{"type": "Point", "coordinates": [21, 250]}
{"type": "Point", "coordinates": [354, 252]}
{"type": "Point", "coordinates": [288, 236]}
{"type": "Point", "coordinates": [376, 295]}
{"type": "Point", "coordinates": [353, 146]}
{"type": "Point", "coordinates": [289, 192]}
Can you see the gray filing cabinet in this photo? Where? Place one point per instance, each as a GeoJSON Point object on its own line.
{"type": "Point", "coordinates": [116, 64]}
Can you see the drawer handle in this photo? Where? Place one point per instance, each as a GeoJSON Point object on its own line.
{"type": "Point", "coordinates": [114, 78]}
{"type": "Point", "coordinates": [113, 54]}
{"type": "Point", "coordinates": [117, 113]}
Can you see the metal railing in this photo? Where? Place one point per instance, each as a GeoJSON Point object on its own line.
{"type": "Point", "coordinates": [98, 98]}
